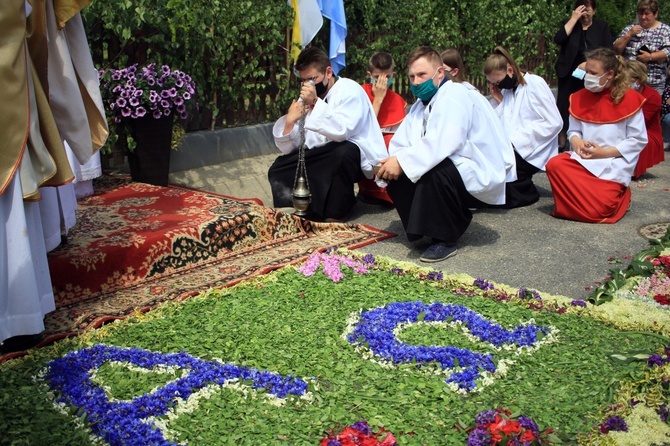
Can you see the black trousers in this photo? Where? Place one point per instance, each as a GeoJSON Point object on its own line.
{"type": "Point", "coordinates": [566, 86]}
{"type": "Point", "coordinates": [436, 206]}
{"type": "Point", "coordinates": [521, 192]}
{"type": "Point", "coordinates": [332, 171]}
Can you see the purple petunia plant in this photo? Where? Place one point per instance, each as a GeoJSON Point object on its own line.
{"type": "Point", "coordinates": [134, 92]}
{"type": "Point", "coordinates": [149, 91]}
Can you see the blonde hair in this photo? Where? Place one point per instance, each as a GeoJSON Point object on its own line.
{"type": "Point", "coordinates": [498, 61]}
{"type": "Point", "coordinates": [637, 70]}
{"type": "Point", "coordinates": [610, 61]}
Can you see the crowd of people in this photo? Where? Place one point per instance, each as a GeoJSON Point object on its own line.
{"type": "Point", "coordinates": [454, 149]}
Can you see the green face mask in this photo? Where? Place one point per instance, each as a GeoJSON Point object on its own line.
{"type": "Point", "coordinates": [425, 90]}
{"type": "Point", "coordinates": [389, 81]}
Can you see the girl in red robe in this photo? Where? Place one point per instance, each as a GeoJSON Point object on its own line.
{"type": "Point", "coordinates": [653, 152]}
{"type": "Point", "coordinates": [607, 133]}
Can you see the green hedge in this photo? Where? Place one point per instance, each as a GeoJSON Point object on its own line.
{"type": "Point", "coordinates": [237, 51]}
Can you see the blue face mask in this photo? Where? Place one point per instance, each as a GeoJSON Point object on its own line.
{"type": "Point", "coordinates": [389, 81]}
{"type": "Point", "coordinates": [425, 90]}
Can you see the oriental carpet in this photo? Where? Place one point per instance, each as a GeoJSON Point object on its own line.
{"type": "Point", "coordinates": [136, 246]}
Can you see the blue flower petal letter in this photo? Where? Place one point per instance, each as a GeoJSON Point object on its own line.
{"type": "Point", "coordinates": [376, 330]}
{"type": "Point", "coordinates": [127, 422]}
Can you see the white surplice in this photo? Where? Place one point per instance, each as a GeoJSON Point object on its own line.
{"type": "Point", "coordinates": [531, 120]}
{"type": "Point", "coordinates": [25, 284]}
{"type": "Point", "coordinates": [454, 124]}
{"type": "Point", "coordinates": [345, 114]}
{"type": "Point", "coordinates": [629, 136]}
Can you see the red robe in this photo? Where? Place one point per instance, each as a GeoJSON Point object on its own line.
{"type": "Point", "coordinates": [578, 194]}
{"type": "Point", "coordinates": [653, 153]}
{"type": "Point", "coordinates": [391, 114]}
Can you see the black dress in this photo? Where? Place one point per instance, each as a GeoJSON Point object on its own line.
{"type": "Point", "coordinates": [571, 54]}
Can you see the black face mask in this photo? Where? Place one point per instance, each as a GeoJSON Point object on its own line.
{"type": "Point", "coordinates": [507, 83]}
{"type": "Point", "coordinates": [321, 87]}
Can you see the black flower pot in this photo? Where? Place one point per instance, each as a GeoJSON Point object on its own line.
{"type": "Point", "coordinates": [150, 161]}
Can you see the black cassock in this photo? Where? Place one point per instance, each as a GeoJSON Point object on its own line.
{"type": "Point", "coordinates": [437, 205]}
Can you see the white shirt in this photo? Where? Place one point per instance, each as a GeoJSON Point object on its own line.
{"type": "Point", "coordinates": [452, 126]}
{"type": "Point", "coordinates": [531, 120]}
{"type": "Point", "coordinates": [345, 114]}
{"type": "Point", "coordinates": [489, 112]}
{"type": "Point", "coordinates": [628, 136]}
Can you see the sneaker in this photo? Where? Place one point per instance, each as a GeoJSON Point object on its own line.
{"type": "Point", "coordinates": [438, 252]}
{"type": "Point", "coordinates": [666, 146]}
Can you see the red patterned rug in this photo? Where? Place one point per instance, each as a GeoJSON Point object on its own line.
{"type": "Point", "coordinates": [136, 246]}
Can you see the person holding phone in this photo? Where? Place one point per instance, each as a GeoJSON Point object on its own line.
{"type": "Point", "coordinates": [647, 41]}
{"type": "Point", "coordinates": [579, 33]}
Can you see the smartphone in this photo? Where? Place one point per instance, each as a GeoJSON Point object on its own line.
{"type": "Point", "coordinates": [643, 48]}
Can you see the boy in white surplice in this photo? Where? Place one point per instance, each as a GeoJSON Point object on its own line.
{"type": "Point", "coordinates": [446, 157]}
{"type": "Point", "coordinates": [342, 136]}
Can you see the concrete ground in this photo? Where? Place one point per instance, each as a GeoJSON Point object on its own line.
{"type": "Point", "coordinates": [523, 247]}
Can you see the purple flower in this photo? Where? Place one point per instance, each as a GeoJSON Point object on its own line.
{"type": "Point", "coordinates": [529, 294]}
{"type": "Point", "coordinates": [578, 303]}
{"type": "Point", "coordinates": [655, 360]}
{"type": "Point", "coordinates": [157, 114]}
{"type": "Point", "coordinates": [482, 284]}
{"type": "Point", "coordinates": [334, 442]}
{"type": "Point", "coordinates": [140, 111]}
{"type": "Point", "coordinates": [485, 417]}
{"type": "Point", "coordinates": [369, 259]}
{"type": "Point", "coordinates": [435, 275]}
{"type": "Point", "coordinates": [663, 413]}
{"type": "Point", "coordinates": [146, 87]}
{"type": "Point", "coordinates": [614, 423]}
{"type": "Point", "coordinates": [529, 424]}
{"type": "Point", "coordinates": [479, 437]}
{"type": "Point", "coordinates": [362, 426]}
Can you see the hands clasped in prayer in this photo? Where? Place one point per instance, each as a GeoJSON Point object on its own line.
{"type": "Point", "coordinates": [591, 150]}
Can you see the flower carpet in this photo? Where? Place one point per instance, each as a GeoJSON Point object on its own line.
{"type": "Point", "coordinates": [347, 349]}
{"type": "Point", "coordinates": [136, 246]}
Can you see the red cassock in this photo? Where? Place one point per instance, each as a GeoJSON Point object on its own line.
{"type": "Point", "coordinates": [653, 153]}
{"type": "Point", "coordinates": [578, 194]}
{"type": "Point", "coordinates": [391, 114]}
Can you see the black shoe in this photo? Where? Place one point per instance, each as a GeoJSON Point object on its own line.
{"type": "Point", "coordinates": [20, 343]}
{"type": "Point", "coordinates": [438, 252]}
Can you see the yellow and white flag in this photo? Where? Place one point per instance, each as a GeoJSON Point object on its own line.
{"type": "Point", "coordinates": [307, 22]}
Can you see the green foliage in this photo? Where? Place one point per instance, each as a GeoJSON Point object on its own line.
{"type": "Point", "coordinates": [640, 266]}
{"type": "Point", "coordinates": [233, 50]}
{"type": "Point", "coordinates": [291, 324]}
{"type": "Point", "coordinates": [237, 51]}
